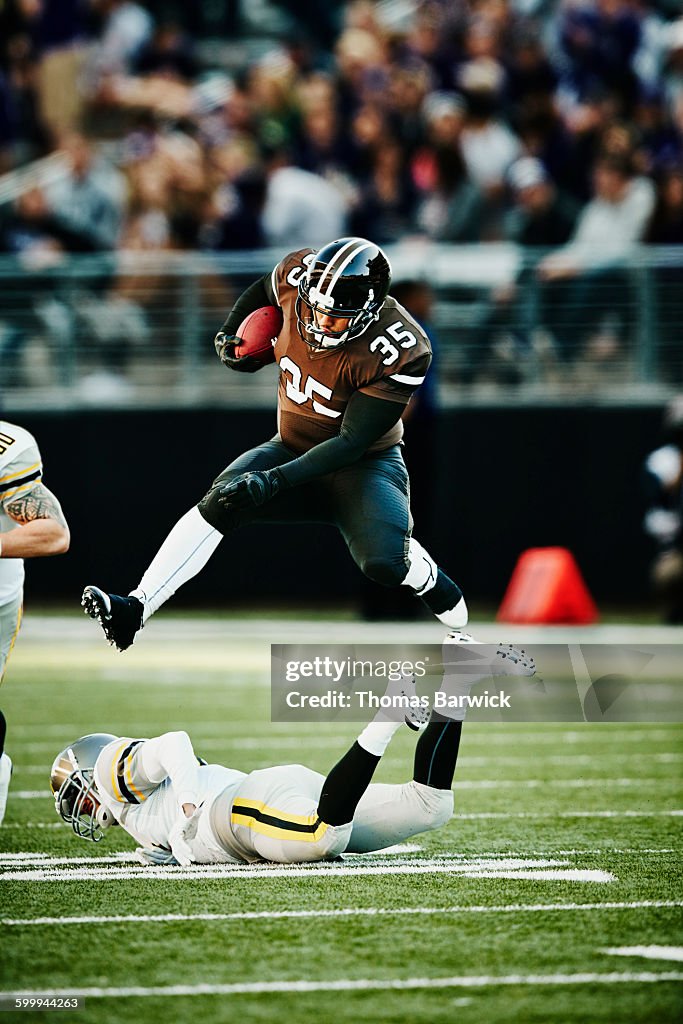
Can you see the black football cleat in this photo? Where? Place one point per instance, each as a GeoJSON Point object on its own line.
{"type": "Point", "coordinates": [119, 617]}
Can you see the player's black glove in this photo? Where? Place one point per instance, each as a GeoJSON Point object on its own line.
{"type": "Point", "coordinates": [250, 490]}
{"type": "Point", "coordinates": [225, 350]}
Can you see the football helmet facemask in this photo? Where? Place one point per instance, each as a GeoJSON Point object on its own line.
{"type": "Point", "coordinates": [348, 279]}
{"type": "Point", "coordinates": [72, 782]}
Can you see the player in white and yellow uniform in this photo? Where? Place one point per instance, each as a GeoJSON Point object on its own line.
{"type": "Point", "coordinates": [31, 524]}
{"type": "Point", "coordinates": [182, 811]}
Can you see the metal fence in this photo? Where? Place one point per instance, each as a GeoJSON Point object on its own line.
{"type": "Point", "coordinates": [135, 329]}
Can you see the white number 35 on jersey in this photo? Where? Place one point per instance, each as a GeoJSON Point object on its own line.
{"type": "Point", "coordinates": [402, 337]}
{"type": "Point", "coordinates": [312, 387]}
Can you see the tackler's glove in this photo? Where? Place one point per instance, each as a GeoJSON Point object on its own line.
{"type": "Point", "coordinates": [251, 489]}
{"type": "Point", "coordinates": [155, 856]}
{"type": "Point", "coordinates": [181, 834]}
{"type": "Point", "coordinates": [225, 350]}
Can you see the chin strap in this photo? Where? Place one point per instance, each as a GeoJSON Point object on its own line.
{"type": "Point", "coordinates": [325, 342]}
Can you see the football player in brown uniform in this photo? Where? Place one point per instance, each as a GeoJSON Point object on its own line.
{"type": "Point", "coordinates": [350, 358]}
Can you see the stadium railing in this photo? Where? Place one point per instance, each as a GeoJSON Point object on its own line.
{"type": "Point", "coordinates": [135, 329]}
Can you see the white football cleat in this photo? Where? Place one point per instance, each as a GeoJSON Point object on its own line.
{"type": "Point", "coordinates": [414, 715]}
{"type": "Point", "coordinates": [506, 660]}
{"type": "Point", "coordinates": [5, 776]}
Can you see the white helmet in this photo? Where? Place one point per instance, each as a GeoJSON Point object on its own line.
{"type": "Point", "coordinates": [72, 782]}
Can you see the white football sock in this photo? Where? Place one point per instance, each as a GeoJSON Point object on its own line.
{"type": "Point", "coordinates": [183, 554]}
{"type": "Point", "coordinates": [456, 617]}
{"type": "Point", "coordinates": [376, 735]}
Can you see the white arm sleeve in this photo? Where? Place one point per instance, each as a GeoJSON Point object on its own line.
{"type": "Point", "coordinates": [171, 756]}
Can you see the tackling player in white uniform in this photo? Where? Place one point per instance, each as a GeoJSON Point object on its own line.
{"type": "Point", "coordinates": [32, 524]}
{"type": "Point", "coordinates": [181, 810]}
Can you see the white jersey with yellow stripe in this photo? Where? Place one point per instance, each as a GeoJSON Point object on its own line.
{"type": "Point", "coordinates": [20, 470]}
{"type": "Point", "coordinates": [144, 783]}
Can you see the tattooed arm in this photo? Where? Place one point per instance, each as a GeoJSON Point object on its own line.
{"type": "Point", "coordinates": [44, 530]}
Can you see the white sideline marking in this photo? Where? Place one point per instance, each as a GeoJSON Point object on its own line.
{"type": "Point", "coordinates": [649, 952]}
{"type": "Point", "coordinates": [32, 859]}
{"type": "Point", "coordinates": [9, 860]}
{"type": "Point", "coordinates": [588, 733]}
{"type": "Point", "coordinates": [569, 760]}
{"type": "Point", "coordinates": [31, 794]}
{"type": "Point", "coordinates": [355, 984]}
{"type": "Point", "coordinates": [567, 814]}
{"type": "Point", "coordinates": [553, 875]}
{"type": "Point", "coordinates": [274, 915]}
{"type": "Point", "coordinates": [536, 869]}
{"type": "Point", "coordinates": [398, 850]}
{"type": "Point", "coordinates": [46, 860]}
{"type": "Point", "coordinates": [582, 783]}
{"type": "Point", "coordinates": [31, 824]}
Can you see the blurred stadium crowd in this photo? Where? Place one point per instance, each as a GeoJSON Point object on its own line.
{"type": "Point", "coordinates": [220, 126]}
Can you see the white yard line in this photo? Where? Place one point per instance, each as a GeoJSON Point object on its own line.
{"type": "Point", "coordinates": [649, 952]}
{"type": "Point", "coordinates": [511, 868]}
{"type": "Point", "coordinates": [483, 815]}
{"type": "Point", "coordinates": [397, 853]}
{"type": "Point", "coordinates": [32, 824]}
{"type": "Point", "coordinates": [588, 733]}
{"type": "Point", "coordinates": [275, 915]}
{"type": "Point", "coordinates": [552, 875]}
{"type": "Point", "coordinates": [581, 783]}
{"type": "Point", "coordinates": [9, 860]}
{"type": "Point", "coordinates": [572, 760]}
{"type": "Point", "coordinates": [39, 859]}
{"type": "Point", "coordinates": [355, 985]}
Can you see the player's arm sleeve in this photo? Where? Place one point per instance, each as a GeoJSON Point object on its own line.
{"type": "Point", "coordinates": [21, 474]}
{"type": "Point", "coordinates": [117, 772]}
{"type": "Point", "coordinates": [256, 296]}
{"type": "Point", "coordinates": [171, 756]}
{"type": "Point", "coordinates": [366, 420]}
{"type": "Point", "coordinates": [129, 770]}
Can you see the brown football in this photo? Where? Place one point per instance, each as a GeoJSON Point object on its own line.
{"type": "Point", "coordinates": [258, 332]}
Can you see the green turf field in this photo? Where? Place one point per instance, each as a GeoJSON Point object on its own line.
{"type": "Point", "coordinates": [566, 844]}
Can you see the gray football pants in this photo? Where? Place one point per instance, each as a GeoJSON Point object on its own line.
{"type": "Point", "coordinates": [10, 621]}
{"type": "Point", "coordinates": [273, 816]}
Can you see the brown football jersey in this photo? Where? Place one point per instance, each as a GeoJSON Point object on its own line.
{"type": "Point", "coordinates": [388, 360]}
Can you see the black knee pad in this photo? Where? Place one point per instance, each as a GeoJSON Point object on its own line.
{"type": "Point", "coordinates": [220, 518]}
{"type": "Point", "coordinates": [385, 571]}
